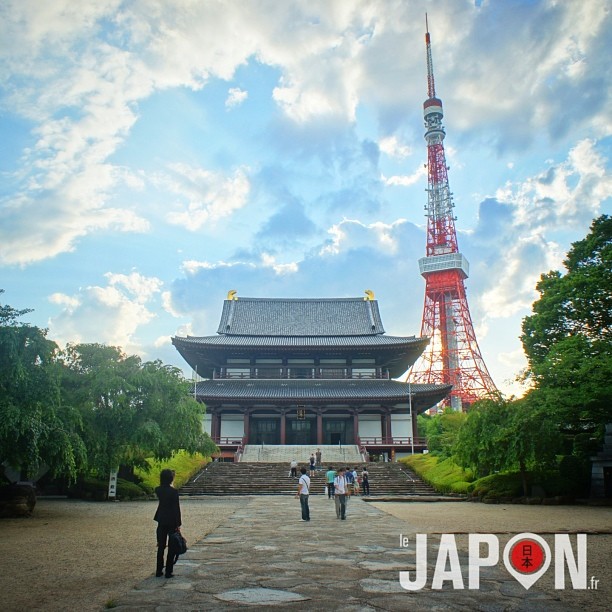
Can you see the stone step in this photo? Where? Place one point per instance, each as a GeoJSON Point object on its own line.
{"type": "Point", "coordinates": [260, 453]}
{"type": "Point", "coordinates": [273, 479]}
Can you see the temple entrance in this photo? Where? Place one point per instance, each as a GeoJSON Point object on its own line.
{"type": "Point", "coordinates": [301, 432]}
{"type": "Point", "coordinates": [338, 431]}
{"type": "Point", "coordinates": [265, 431]}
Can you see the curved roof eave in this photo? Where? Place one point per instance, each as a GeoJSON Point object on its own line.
{"type": "Point", "coordinates": [320, 391]}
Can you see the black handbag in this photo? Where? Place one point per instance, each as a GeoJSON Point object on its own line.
{"type": "Point", "coordinates": [177, 544]}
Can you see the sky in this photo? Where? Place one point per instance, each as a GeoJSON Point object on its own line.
{"type": "Point", "coordinates": [155, 154]}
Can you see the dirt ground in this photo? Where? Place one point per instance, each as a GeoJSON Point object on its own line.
{"type": "Point", "coordinates": [75, 555]}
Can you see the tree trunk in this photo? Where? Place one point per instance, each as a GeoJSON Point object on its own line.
{"type": "Point", "coordinates": [523, 471]}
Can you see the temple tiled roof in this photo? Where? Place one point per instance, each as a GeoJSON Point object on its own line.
{"type": "Point", "coordinates": [204, 354]}
{"type": "Point", "coordinates": [300, 317]}
{"type": "Point", "coordinates": [320, 391]}
{"type": "Point", "coordinates": [297, 341]}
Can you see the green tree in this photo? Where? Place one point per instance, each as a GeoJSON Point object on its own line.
{"type": "Point", "coordinates": [131, 410]}
{"type": "Point", "coordinates": [441, 431]}
{"type": "Point", "coordinates": [506, 435]}
{"type": "Point", "coordinates": [568, 338]}
{"type": "Point", "coordinates": [37, 431]}
{"type": "Point", "coordinates": [480, 444]}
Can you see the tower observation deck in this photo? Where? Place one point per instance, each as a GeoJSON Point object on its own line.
{"type": "Point", "coordinates": [453, 356]}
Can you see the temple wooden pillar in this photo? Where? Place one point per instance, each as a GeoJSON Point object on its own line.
{"type": "Point", "coordinates": [387, 426]}
{"type": "Point", "coordinates": [215, 425]}
{"type": "Point", "coordinates": [355, 425]}
{"type": "Point", "coordinates": [415, 431]}
{"type": "Point", "coordinates": [247, 416]}
{"type": "Point", "coordinates": [283, 426]}
{"type": "Point", "coordinates": [319, 427]}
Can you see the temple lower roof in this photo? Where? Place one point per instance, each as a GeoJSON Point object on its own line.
{"type": "Point", "coordinates": [291, 392]}
{"type": "Point", "coordinates": [206, 353]}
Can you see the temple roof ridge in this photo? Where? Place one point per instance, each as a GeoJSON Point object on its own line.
{"type": "Point", "coordinates": [300, 317]}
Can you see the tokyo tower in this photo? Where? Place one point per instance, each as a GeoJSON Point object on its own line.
{"type": "Point", "coordinates": [452, 356]}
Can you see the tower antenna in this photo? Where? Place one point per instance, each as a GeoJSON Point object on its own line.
{"type": "Point", "coordinates": [452, 356]}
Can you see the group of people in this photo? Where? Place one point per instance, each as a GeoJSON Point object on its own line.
{"type": "Point", "coordinates": [314, 463]}
{"type": "Point", "coordinates": [355, 482]}
{"type": "Point", "coordinates": [341, 484]}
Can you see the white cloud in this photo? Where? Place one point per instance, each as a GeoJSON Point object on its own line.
{"type": "Point", "coordinates": [79, 72]}
{"type": "Point", "coordinates": [236, 96]}
{"type": "Point", "coordinates": [393, 148]}
{"type": "Point", "coordinates": [141, 287]}
{"type": "Point", "coordinates": [405, 180]}
{"type": "Point", "coordinates": [351, 233]}
{"type": "Point", "coordinates": [192, 267]}
{"type": "Point", "coordinates": [567, 195]}
{"type": "Point", "coordinates": [209, 196]}
{"type": "Point", "coordinates": [269, 261]}
{"type": "Point", "coordinates": [109, 315]}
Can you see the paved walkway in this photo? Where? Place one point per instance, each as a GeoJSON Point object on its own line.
{"type": "Point", "coordinates": [264, 556]}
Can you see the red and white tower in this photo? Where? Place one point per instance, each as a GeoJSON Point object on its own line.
{"type": "Point", "coordinates": [453, 356]}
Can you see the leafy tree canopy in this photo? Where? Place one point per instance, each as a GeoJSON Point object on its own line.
{"type": "Point", "coordinates": [36, 429]}
{"type": "Point", "coordinates": [568, 338]}
{"type": "Point", "coordinates": [132, 410]}
{"type": "Point", "coordinates": [9, 315]}
{"type": "Point", "coordinates": [441, 431]}
{"type": "Point", "coordinates": [578, 302]}
{"type": "Point", "coordinates": [501, 435]}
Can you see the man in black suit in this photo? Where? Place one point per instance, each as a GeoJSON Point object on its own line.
{"type": "Point", "coordinates": [168, 517]}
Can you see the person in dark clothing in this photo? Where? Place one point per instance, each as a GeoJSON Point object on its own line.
{"type": "Point", "coordinates": [365, 481]}
{"type": "Point", "coordinates": [168, 517]}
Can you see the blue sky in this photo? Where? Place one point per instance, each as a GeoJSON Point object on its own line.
{"type": "Point", "coordinates": [156, 154]}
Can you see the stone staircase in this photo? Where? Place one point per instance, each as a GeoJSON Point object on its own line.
{"type": "Point", "coordinates": [219, 478]}
{"type": "Point", "coordinates": [285, 453]}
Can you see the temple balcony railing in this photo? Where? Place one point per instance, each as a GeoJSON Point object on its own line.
{"type": "Point", "coordinates": [222, 442]}
{"type": "Point", "coordinates": [301, 373]}
{"type": "Point", "coordinates": [384, 441]}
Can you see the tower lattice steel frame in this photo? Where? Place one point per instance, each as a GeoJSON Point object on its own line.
{"type": "Point", "coordinates": [453, 356]}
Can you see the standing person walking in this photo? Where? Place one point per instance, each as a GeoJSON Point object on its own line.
{"type": "Point", "coordinates": [168, 517]}
{"type": "Point", "coordinates": [348, 476]}
{"type": "Point", "coordinates": [340, 494]}
{"type": "Point", "coordinates": [312, 465]}
{"type": "Point", "coordinates": [355, 481]}
{"type": "Point", "coordinates": [365, 481]}
{"type": "Point", "coordinates": [293, 468]}
{"type": "Point", "coordinates": [330, 475]}
{"type": "Point", "coordinates": [318, 457]}
{"type": "Point", "coordinates": [303, 492]}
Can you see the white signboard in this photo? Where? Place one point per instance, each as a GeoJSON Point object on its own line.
{"type": "Point", "coordinates": [112, 484]}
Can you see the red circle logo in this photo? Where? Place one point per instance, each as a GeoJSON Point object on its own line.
{"type": "Point", "coordinates": [527, 556]}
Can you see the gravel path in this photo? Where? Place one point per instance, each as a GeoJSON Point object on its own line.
{"type": "Point", "coordinates": [76, 555]}
{"type": "Point", "coordinates": [84, 555]}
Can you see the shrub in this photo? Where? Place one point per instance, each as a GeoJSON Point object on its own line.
{"type": "Point", "coordinates": [184, 464]}
{"type": "Point", "coordinates": [89, 487]}
{"type": "Point", "coordinates": [497, 486]}
{"type": "Point", "coordinates": [129, 490]}
{"type": "Point", "coordinates": [444, 475]}
{"type": "Point", "coordinates": [95, 489]}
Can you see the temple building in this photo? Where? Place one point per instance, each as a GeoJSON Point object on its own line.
{"type": "Point", "coordinates": [308, 372]}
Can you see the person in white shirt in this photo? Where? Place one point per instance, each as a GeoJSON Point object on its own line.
{"type": "Point", "coordinates": [340, 489]}
{"type": "Point", "coordinates": [303, 492]}
{"type": "Point", "coordinates": [293, 471]}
